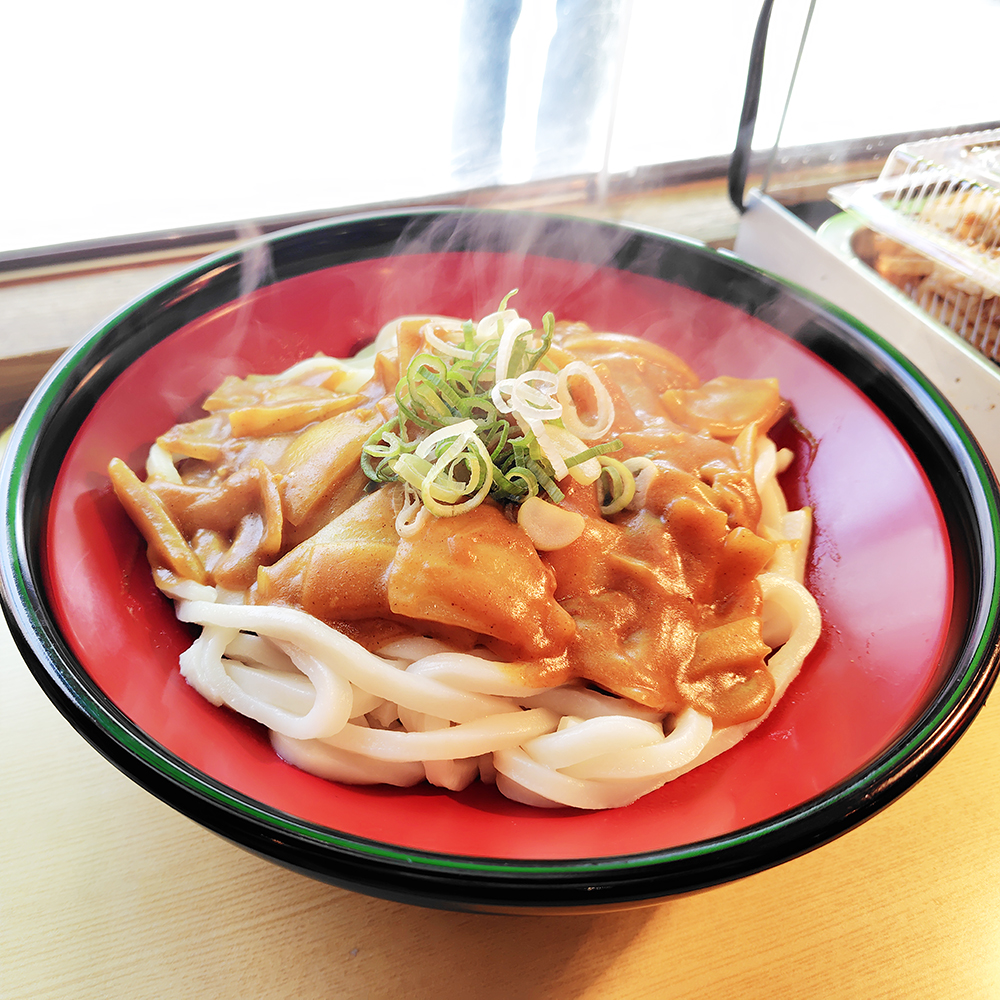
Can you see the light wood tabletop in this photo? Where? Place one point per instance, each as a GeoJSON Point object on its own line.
{"type": "Point", "coordinates": [107, 892]}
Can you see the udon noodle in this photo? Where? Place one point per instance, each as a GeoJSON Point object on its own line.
{"type": "Point", "coordinates": [550, 559]}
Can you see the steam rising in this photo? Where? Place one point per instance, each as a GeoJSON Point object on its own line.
{"type": "Point", "coordinates": [496, 245]}
{"type": "Point", "coordinates": [500, 251]}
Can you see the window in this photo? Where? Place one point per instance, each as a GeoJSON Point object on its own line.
{"type": "Point", "coordinates": [126, 118]}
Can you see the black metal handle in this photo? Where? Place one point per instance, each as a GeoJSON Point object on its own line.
{"type": "Point", "coordinates": [740, 162]}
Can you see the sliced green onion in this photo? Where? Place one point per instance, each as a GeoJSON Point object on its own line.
{"type": "Point", "coordinates": [605, 407]}
{"type": "Point", "coordinates": [620, 485]}
{"type": "Point", "coordinates": [517, 483]}
{"type": "Point", "coordinates": [595, 452]}
{"type": "Point", "coordinates": [481, 411]}
{"type": "Point", "coordinates": [545, 481]}
{"type": "Point", "coordinates": [444, 346]}
{"type": "Point", "coordinates": [434, 470]}
{"type": "Point", "coordinates": [548, 329]}
{"type": "Point", "coordinates": [469, 336]}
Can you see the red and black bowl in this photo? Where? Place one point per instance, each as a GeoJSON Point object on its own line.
{"type": "Point", "coordinates": [903, 562]}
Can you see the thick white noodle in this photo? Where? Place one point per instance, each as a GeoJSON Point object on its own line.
{"type": "Point", "coordinates": [453, 774]}
{"type": "Point", "coordinates": [329, 762]}
{"type": "Point", "coordinates": [292, 693]}
{"type": "Point", "coordinates": [414, 647]}
{"type": "Point", "coordinates": [467, 739]}
{"type": "Point", "coordinates": [615, 764]}
{"type": "Point", "coordinates": [798, 608]}
{"type": "Point", "coordinates": [349, 658]}
{"type": "Point", "coordinates": [267, 696]}
{"type": "Point", "coordinates": [579, 701]}
{"type": "Point", "coordinates": [468, 672]}
{"type": "Point", "coordinates": [579, 740]}
{"type": "Point", "coordinates": [523, 779]}
{"type": "Point", "coordinates": [565, 746]}
{"type": "Point", "coordinates": [685, 741]}
{"type": "Point", "coordinates": [255, 650]}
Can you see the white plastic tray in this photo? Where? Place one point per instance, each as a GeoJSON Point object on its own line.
{"type": "Point", "coordinates": [773, 239]}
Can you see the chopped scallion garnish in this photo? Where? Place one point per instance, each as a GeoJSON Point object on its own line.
{"type": "Point", "coordinates": [483, 410]}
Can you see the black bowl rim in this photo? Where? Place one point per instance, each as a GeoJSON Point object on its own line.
{"type": "Point", "coordinates": [429, 878]}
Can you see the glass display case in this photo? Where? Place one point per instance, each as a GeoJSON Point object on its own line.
{"type": "Point", "coordinates": [885, 206]}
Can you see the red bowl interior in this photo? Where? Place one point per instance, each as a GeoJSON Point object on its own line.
{"type": "Point", "coordinates": [881, 565]}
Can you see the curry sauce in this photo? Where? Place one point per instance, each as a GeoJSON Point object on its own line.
{"type": "Point", "coordinates": [658, 603]}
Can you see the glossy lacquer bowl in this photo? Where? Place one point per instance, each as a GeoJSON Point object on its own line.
{"type": "Point", "coordinates": [903, 562]}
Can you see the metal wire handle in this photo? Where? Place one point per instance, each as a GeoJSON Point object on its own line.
{"type": "Point", "coordinates": [740, 161]}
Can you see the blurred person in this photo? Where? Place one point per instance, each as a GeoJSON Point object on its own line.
{"type": "Point", "coordinates": [575, 73]}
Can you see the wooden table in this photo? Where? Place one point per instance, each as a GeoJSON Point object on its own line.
{"type": "Point", "coordinates": [106, 892]}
